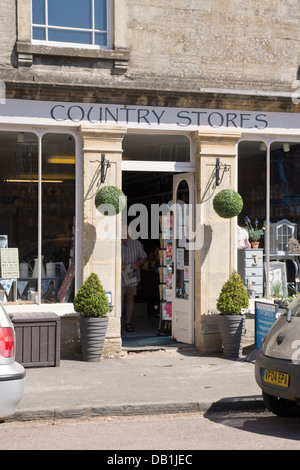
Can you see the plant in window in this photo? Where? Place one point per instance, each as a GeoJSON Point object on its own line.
{"type": "Point", "coordinates": [277, 288]}
{"type": "Point", "coordinates": [254, 233]}
{"type": "Point", "coordinates": [228, 203]}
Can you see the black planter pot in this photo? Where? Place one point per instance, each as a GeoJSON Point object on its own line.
{"type": "Point", "coordinates": [232, 329]}
{"type": "Point", "coordinates": [92, 334]}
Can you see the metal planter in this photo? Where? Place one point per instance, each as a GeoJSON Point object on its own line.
{"type": "Point", "coordinates": [232, 329]}
{"type": "Point", "coordinates": [92, 333]}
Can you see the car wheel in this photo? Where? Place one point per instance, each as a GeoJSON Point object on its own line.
{"type": "Point", "coordinates": [280, 406]}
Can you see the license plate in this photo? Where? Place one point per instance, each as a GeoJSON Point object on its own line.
{"type": "Point", "coordinates": [274, 377]}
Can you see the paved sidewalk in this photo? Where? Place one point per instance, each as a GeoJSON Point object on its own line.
{"type": "Point", "coordinates": [168, 380]}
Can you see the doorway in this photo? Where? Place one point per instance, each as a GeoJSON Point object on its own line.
{"type": "Point", "coordinates": [153, 316]}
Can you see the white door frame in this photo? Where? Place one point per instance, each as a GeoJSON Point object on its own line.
{"type": "Point", "coordinates": [183, 309]}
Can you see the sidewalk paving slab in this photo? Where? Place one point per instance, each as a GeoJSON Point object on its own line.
{"type": "Point", "coordinates": [157, 381]}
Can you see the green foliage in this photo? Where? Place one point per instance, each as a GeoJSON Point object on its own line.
{"type": "Point", "coordinates": [228, 203]}
{"type": "Point", "coordinates": [254, 233]}
{"type": "Point", "coordinates": [110, 200]}
{"type": "Point", "coordinates": [233, 296]}
{"type": "Point", "coordinates": [91, 299]}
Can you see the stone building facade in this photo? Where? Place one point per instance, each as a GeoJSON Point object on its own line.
{"type": "Point", "coordinates": [216, 71]}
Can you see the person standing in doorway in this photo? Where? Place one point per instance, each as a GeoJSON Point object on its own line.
{"type": "Point", "coordinates": [133, 257]}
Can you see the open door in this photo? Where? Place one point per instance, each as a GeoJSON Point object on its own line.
{"type": "Point", "coordinates": [183, 258]}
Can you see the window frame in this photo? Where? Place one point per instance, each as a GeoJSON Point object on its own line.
{"type": "Point", "coordinates": [119, 53]}
{"type": "Point", "coordinates": [40, 133]}
{"type": "Point", "coordinates": [93, 30]}
{"type": "Point", "coordinates": [267, 140]}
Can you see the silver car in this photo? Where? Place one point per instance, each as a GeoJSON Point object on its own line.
{"type": "Point", "coordinates": [277, 366]}
{"type": "Point", "coordinates": [12, 374]}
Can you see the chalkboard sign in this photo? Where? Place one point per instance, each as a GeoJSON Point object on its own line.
{"type": "Point", "coordinates": [264, 319]}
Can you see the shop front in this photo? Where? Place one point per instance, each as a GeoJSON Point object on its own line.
{"type": "Point", "coordinates": [52, 236]}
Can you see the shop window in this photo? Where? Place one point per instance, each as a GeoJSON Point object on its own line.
{"type": "Point", "coordinates": [252, 182]}
{"type": "Point", "coordinates": [21, 213]}
{"type": "Point", "coordinates": [279, 206]}
{"type": "Point", "coordinates": [156, 147]}
{"type": "Point", "coordinates": [58, 217]}
{"type": "Point", "coordinates": [72, 22]}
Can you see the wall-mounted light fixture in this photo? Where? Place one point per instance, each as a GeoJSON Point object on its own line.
{"type": "Point", "coordinates": [286, 147]}
{"type": "Point", "coordinates": [220, 166]}
{"type": "Point", "coordinates": [105, 164]}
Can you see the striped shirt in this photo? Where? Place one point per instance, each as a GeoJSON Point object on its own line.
{"type": "Point", "coordinates": [132, 252]}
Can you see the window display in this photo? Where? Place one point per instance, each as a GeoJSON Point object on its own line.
{"type": "Point", "coordinates": [20, 209]}
{"type": "Point", "coordinates": [181, 235]}
{"type": "Point", "coordinates": [269, 183]}
{"type": "Point", "coordinates": [166, 272]}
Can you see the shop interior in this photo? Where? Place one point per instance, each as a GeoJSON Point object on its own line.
{"type": "Point", "coordinates": [284, 249]}
{"type": "Point", "coordinates": [150, 187]}
{"type": "Point", "coordinates": [19, 208]}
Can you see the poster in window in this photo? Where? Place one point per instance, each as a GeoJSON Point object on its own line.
{"type": "Point", "coordinates": [9, 263]}
{"type": "Point", "coordinates": [166, 313]}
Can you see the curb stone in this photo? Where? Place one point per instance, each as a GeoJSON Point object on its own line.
{"type": "Point", "coordinates": [226, 404]}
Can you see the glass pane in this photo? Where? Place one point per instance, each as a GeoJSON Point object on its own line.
{"type": "Point", "coordinates": [58, 215]}
{"type": "Point", "coordinates": [252, 184]}
{"type": "Point", "coordinates": [70, 13]}
{"type": "Point", "coordinates": [101, 39]}
{"type": "Point", "coordinates": [39, 34]}
{"type": "Point", "coordinates": [284, 217]}
{"type": "Point", "coordinates": [155, 146]}
{"type": "Point", "coordinates": [100, 15]}
{"type": "Point", "coordinates": [252, 188]}
{"type": "Point", "coordinates": [38, 12]}
{"type": "Point", "coordinates": [78, 37]}
{"type": "Point", "coordinates": [182, 253]}
{"type": "Point", "coordinates": [18, 214]}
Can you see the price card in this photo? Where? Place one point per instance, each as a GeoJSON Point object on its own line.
{"type": "Point", "coordinates": [9, 263]}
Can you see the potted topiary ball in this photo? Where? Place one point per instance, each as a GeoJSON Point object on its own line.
{"type": "Point", "coordinates": [228, 203]}
{"type": "Point", "coordinates": [232, 299]}
{"type": "Point", "coordinates": [92, 304]}
{"type": "Point", "coordinates": [110, 200]}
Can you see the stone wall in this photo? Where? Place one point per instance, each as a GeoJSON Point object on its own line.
{"type": "Point", "coordinates": [217, 258]}
{"type": "Point", "coordinates": [216, 43]}
{"type": "Point", "coordinates": [171, 45]}
{"type": "Point", "coordinates": [102, 254]}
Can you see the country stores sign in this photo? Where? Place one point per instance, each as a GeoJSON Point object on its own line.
{"type": "Point", "coordinates": [143, 117]}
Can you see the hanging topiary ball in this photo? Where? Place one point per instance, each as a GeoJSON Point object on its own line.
{"type": "Point", "coordinates": [110, 200]}
{"type": "Point", "coordinates": [228, 203]}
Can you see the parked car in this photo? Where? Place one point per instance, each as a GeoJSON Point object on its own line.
{"type": "Point", "coordinates": [277, 366]}
{"type": "Point", "coordinates": [12, 374]}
